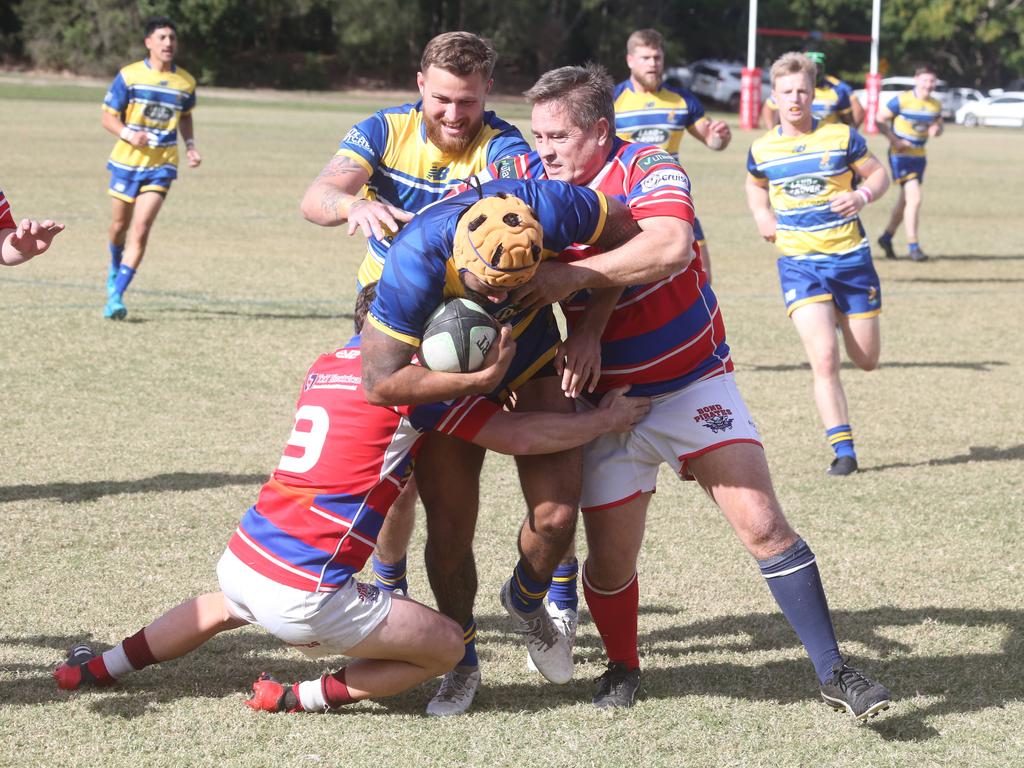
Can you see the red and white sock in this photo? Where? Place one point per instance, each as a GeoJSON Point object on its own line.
{"type": "Point", "coordinates": [615, 616]}
{"type": "Point", "coordinates": [130, 655]}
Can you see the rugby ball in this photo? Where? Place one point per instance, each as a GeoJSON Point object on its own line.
{"type": "Point", "coordinates": [457, 336]}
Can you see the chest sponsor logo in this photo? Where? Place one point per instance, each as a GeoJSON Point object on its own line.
{"type": "Point", "coordinates": [650, 136]}
{"type": "Point", "coordinates": [331, 381]}
{"type": "Point", "coordinates": [804, 186]}
{"type": "Point", "coordinates": [356, 138]}
{"type": "Point", "coordinates": [160, 113]}
{"type": "Point", "coordinates": [438, 172]}
{"type": "Point", "coordinates": [921, 126]}
{"type": "Point", "coordinates": [665, 177]}
{"type": "Point", "coordinates": [507, 169]}
{"type": "Point", "coordinates": [715, 417]}
{"type": "Point", "coordinates": [647, 162]}
{"type": "Point", "coordinates": [347, 354]}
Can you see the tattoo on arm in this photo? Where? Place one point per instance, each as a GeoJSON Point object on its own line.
{"type": "Point", "coordinates": [382, 356]}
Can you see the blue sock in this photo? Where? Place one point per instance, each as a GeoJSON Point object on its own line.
{"type": "Point", "coordinates": [841, 440]}
{"type": "Point", "coordinates": [116, 251]}
{"type": "Point", "coordinates": [563, 586]}
{"type": "Point", "coordinates": [469, 658]}
{"type": "Point", "coordinates": [390, 576]}
{"type": "Point", "coordinates": [527, 594]}
{"type": "Point", "coordinates": [913, 247]}
{"type": "Point", "coordinates": [886, 237]}
{"type": "Point", "coordinates": [795, 584]}
{"type": "Point", "coordinates": [124, 277]}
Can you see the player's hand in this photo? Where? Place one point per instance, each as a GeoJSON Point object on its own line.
{"type": "Point", "coordinates": [374, 217]}
{"type": "Point", "coordinates": [578, 362]}
{"type": "Point", "coordinates": [32, 237]}
{"type": "Point", "coordinates": [194, 158]}
{"type": "Point", "coordinates": [497, 361]}
{"type": "Point", "coordinates": [766, 226]}
{"type": "Point", "coordinates": [624, 412]}
{"type": "Point", "coordinates": [898, 143]}
{"type": "Point", "coordinates": [550, 283]}
{"type": "Point", "coordinates": [719, 135]}
{"type": "Point", "coordinates": [934, 129]}
{"type": "Point", "coordinates": [848, 204]}
{"type": "Point", "coordinates": [139, 139]}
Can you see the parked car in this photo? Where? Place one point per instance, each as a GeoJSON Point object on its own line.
{"type": "Point", "coordinates": [718, 80]}
{"type": "Point", "coordinates": [960, 96]}
{"type": "Point", "coordinates": [893, 86]}
{"type": "Point", "coordinates": [1005, 109]}
{"type": "Point", "coordinates": [679, 76]}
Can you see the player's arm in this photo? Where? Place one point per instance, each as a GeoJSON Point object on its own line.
{"type": "Point", "coordinates": [520, 434]}
{"type": "Point", "coordinates": [334, 198]}
{"type": "Point", "coordinates": [187, 129]}
{"type": "Point", "coordinates": [761, 207]}
{"type": "Point", "coordinates": [856, 113]}
{"type": "Point", "coordinates": [714, 134]}
{"type": "Point", "coordinates": [874, 183]}
{"type": "Point", "coordinates": [936, 128]}
{"type": "Point", "coordinates": [578, 360]}
{"type": "Point", "coordinates": [29, 238]}
{"type": "Point", "coordinates": [389, 378]}
{"type": "Point", "coordinates": [883, 121]}
{"type": "Point", "coordinates": [112, 122]}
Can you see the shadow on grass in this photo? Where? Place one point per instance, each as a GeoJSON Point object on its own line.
{"type": "Point", "coordinates": [977, 257]}
{"type": "Point", "coordinates": [974, 453]}
{"type": "Point", "coordinates": [954, 280]}
{"type": "Point", "coordinates": [955, 683]}
{"type": "Point", "coordinates": [982, 366]}
{"type": "Point", "coordinates": [69, 493]}
{"type": "Point", "coordinates": [205, 313]}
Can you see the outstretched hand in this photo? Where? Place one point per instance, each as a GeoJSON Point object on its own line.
{"type": "Point", "coordinates": [30, 238]}
{"type": "Point", "coordinates": [373, 216]}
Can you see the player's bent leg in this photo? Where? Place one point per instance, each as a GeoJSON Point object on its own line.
{"type": "Point", "coordinates": [816, 324]}
{"type": "Point", "coordinates": [862, 337]}
{"type": "Point", "coordinates": [389, 559]}
{"type": "Point", "coordinates": [147, 206]}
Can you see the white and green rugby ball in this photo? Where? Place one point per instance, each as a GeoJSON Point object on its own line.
{"type": "Point", "coordinates": [457, 336]}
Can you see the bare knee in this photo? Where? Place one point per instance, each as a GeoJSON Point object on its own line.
{"type": "Point", "coordinates": [765, 531]}
{"type": "Point", "coordinates": [554, 522]}
{"type": "Point", "coordinates": [450, 647]}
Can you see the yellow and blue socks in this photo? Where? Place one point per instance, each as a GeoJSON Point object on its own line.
{"type": "Point", "coordinates": [527, 595]}
{"type": "Point", "coordinates": [563, 591]}
{"type": "Point", "coordinates": [392, 577]}
{"type": "Point", "coordinates": [841, 440]}
{"type": "Point", "coordinates": [469, 657]}
{"type": "Point", "coordinates": [795, 584]}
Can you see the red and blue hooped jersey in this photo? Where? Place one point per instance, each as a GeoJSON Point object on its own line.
{"type": "Point", "coordinates": [6, 216]}
{"type": "Point", "coordinates": [316, 520]}
{"type": "Point", "coordinates": [664, 335]}
{"type": "Point", "coordinates": [419, 272]}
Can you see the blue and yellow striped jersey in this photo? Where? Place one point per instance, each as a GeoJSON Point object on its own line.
{"type": "Point", "coordinates": [409, 172]}
{"type": "Point", "coordinates": [912, 117]}
{"type": "Point", "coordinates": [803, 174]}
{"type": "Point", "coordinates": [831, 102]}
{"type": "Point", "coordinates": [658, 118]}
{"type": "Point", "coordinates": [154, 102]}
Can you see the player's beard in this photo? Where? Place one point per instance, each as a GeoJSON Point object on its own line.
{"type": "Point", "coordinates": [452, 145]}
{"type": "Point", "coordinates": [650, 82]}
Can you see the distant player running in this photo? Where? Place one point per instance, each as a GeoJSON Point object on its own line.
{"type": "Point", "coordinates": [800, 191]}
{"type": "Point", "coordinates": [22, 240]}
{"type": "Point", "coordinates": [145, 106]}
{"type": "Point", "coordinates": [649, 111]}
{"type": "Point", "coordinates": [290, 566]}
{"type": "Point", "coordinates": [908, 121]}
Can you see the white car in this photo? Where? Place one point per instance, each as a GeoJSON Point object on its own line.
{"type": "Point", "coordinates": [1005, 109]}
{"type": "Point", "coordinates": [894, 86]}
{"type": "Point", "coordinates": [720, 81]}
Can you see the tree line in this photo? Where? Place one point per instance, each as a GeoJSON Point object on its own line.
{"type": "Point", "coordinates": [316, 44]}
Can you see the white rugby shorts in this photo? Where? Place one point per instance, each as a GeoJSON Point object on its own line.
{"type": "Point", "coordinates": [681, 425]}
{"type": "Point", "coordinates": [315, 623]}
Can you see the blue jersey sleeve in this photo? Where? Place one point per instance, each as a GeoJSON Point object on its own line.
{"type": "Point", "coordinates": [117, 95]}
{"type": "Point", "coordinates": [508, 143]}
{"type": "Point", "coordinates": [893, 105]}
{"type": "Point", "coordinates": [189, 103]}
{"type": "Point", "coordinates": [843, 94]}
{"type": "Point", "coordinates": [752, 165]}
{"type": "Point", "coordinates": [367, 140]}
{"type": "Point", "coordinates": [857, 149]}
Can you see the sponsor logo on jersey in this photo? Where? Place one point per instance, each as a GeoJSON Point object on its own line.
{"type": "Point", "coordinates": [650, 136]}
{"type": "Point", "coordinates": [505, 313]}
{"type": "Point", "coordinates": [826, 160]}
{"type": "Point", "coordinates": [331, 381]}
{"type": "Point", "coordinates": [715, 417]}
{"type": "Point", "coordinates": [665, 177]}
{"type": "Point", "coordinates": [438, 172]}
{"type": "Point", "coordinates": [506, 169]}
{"type": "Point", "coordinates": [356, 138]}
{"type": "Point", "coordinates": [799, 148]}
{"type": "Point", "coordinates": [921, 127]}
{"type": "Point", "coordinates": [645, 163]}
{"type": "Point", "coordinates": [160, 113]}
{"type": "Point", "coordinates": [347, 354]}
{"type": "Point", "coordinates": [804, 186]}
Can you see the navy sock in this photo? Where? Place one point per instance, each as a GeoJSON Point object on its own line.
{"type": "Point", "coordinates": [527, 594]}
{"type": "Point", "coordinates": [469, 658]}
{"type": "Point", "coordinates": [124, 277]}
{"type": "Point", "coordinates": [116, 251]}
{"type": "Point", "coordinates": [391, 576]}
{"type": "Point", "coordinates": [795, 584]}
{"type": "Point", "coordinates": [841, 440]}
{"type": "Point", "coordinates": [886, 237]}
{"type": "Point", "coordinates": [563, 591]}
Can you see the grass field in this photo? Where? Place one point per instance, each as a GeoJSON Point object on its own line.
{"type": "Point", "coordinates": [131, 449]}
